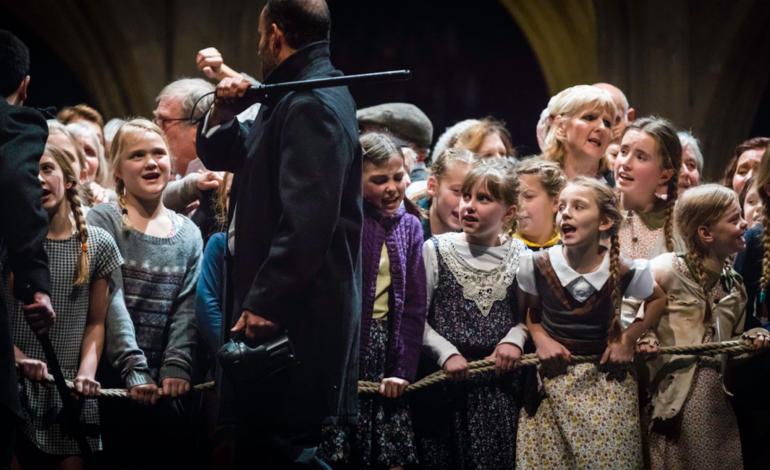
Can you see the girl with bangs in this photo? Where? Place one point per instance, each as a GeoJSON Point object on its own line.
{"type": "Point", "coordinates": [162, 250]}
{"type": "Point", "coordinates": [578, 130]}
{"type": "Point", "coordinates": [540, 183]}
{"type": "Point", "coordinates": [473, 314]}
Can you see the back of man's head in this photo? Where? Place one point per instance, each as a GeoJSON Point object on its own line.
{"type": "Point", "coordinates": [14, 63]}
{"type": "Point", "coordinates": [302, 21]}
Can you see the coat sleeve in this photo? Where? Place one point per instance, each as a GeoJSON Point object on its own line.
{"type": "Point", "coordinates": [23, 133]}
{"type": "Point", "coordinates": [180, 193]}
{"type": "Point", "coordinates": [223, 148]}
{"type": "Point", "coordinates": [415, 306]}
{"type": "Point", "coordinates": [314, 163]}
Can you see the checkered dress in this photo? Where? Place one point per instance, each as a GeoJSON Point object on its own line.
{"type": "Point", "coordinates": [41, 403]}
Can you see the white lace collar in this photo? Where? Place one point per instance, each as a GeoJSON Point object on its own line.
{"type": "Point", "coordinates": [482, 286]}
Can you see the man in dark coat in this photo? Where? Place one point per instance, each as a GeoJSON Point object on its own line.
{"type": "Point", "coordinates": [297, 224]}
{"type": "Point", "coordinates": [24, 225]}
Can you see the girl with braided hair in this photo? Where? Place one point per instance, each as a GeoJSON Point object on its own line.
{"type": "Point", "coordinates": [693, 424]}
{"type": "Point", "coordinates": [162, 250]}
{"type": "Point", "coordinates": [82, 259]}
{"type": "Point", "coordinates": [650, 157]}
{"type": "Point", "coordinates": [584, 416]}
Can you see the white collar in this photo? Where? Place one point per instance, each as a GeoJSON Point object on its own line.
{"type": "Point", "coordinates": [567, 275]}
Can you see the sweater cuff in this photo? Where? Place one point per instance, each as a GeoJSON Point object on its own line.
{"type": "Point", "coordinates": [174, 371]}
{"type": "Point", "coordinates": [135, 378]}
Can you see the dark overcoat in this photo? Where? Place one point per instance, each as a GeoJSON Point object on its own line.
{"type": "Point", "coordinates": [23, 225]}
{"type": "Point", "coordinates": [298, 217]}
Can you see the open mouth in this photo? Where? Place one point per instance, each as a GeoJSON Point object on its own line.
{"type": "Point", "coordinates": [391, 201]}
{"type": "Point", "coordinates": [46, 193]}
{"type": "Point", "coordinates": [623, 176]}
{"type": "Point", "coordinates": [470, 218]}
{"type": "Point", "coordinates": [568, 229]}
{"type": "Point", "coordinates": [151, 176]}
{"type": "Point", "coordinates": [595, 141]}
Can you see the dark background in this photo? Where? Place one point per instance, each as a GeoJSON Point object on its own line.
{"type": "Point", "coordinates": [467, 61]}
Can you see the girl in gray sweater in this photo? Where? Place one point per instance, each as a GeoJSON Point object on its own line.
{"type": "Point", "coordinates": [162, 253]}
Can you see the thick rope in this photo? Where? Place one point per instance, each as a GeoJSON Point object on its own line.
{"type": "Point", "coordinates": [732, 348]}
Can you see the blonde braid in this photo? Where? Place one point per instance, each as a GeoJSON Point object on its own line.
{"type": "Point", "coordinates": [695, 261]}
{"type": "Point", "coordinates": [615, 330]}
{"type": "Point", "coordinates": [120, 188]}
{"type": "Point", "coordinates": [82, 275]}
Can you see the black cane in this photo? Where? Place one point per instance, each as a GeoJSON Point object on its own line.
{"type": "Point", "coordinates": [260, 92]}
{"type": "Point", "coordinates": [70, 406]}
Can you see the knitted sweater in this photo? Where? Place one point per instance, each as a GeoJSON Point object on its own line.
{"type": "Point", "coordinates": [158, 280]}
{"type": "Point", "coordinates": [402, 235]}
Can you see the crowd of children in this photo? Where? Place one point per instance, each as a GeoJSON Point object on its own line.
{"type": "Point", "coordinates": [566, 253]}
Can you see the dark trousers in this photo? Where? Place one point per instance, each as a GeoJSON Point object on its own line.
{"type": "Point", "coordinates": [8, 425]}
{"type": "Point", "coordinates": [269, 433]}
{"type": "Point", "coordinates": [752, 408]}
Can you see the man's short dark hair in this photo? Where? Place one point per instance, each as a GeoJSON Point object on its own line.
{"type": "Point", "coordinates": [302, 21]}
{"type": "Point", "coordinates": [14, 62]}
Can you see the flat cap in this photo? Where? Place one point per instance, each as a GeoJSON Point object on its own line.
{"type": "Point", "coordinates": [404, 120]}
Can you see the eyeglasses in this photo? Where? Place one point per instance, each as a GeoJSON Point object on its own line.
{"type": "Point", "coordinates": [163, 122]}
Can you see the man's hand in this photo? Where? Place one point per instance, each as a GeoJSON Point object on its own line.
{"type": "Point", "coordinates": [393, 387]}
{"type": "Point", "coordinates": [39, 314]}
{"type": "Point", "coordinates": [255, 327]}
{"type": "Point", "coordinates": [456, 367]}
{"type": "Point", "coordinates": [145, 394]}
{"type": "Point", "coordinates": [212, 64]}
{"type": "Point", "coordinates": [173, 387]}
{"type": "Point", "coordinates": [505, 357]}
{"type": "Point", "coordinates": [228, 104]}
{"type": "Point", "coordinates": [32, 369]}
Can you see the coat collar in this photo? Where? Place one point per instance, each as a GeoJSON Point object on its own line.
{"type": "Point", "coordinates": [298, 65]}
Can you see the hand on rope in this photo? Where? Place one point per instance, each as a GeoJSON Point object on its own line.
{"type": "Point", "coordinates": [618, 352]}
{"type": "Point", "coordinates": [749, 343]}
{"type": "Point", "coordinates": [145, 394]}
{"type": "Point", "coordinates": [456, 367]}
{"type": "Point", "coordinates": [759, 338]}
{"type": "Point", "coordinates": [393, 387]}
{"type": "Point", "coordinates": [504, 356]}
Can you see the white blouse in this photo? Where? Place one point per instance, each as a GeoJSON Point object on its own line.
{"type": "Point", "coordinates": [582, 286]}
